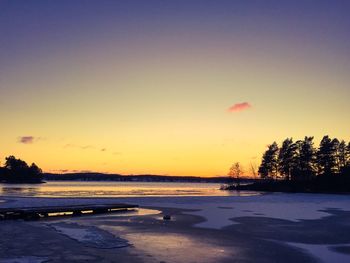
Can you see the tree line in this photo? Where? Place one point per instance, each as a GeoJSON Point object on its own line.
{"type": "Point", "coordinates": [18, 171]}
{"type": "Point", "coordinates": [302, 161]}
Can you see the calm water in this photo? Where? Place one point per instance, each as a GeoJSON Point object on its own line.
{"type": "Point", "coordinates": [113, 189]}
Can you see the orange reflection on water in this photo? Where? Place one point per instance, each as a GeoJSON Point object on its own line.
{"type": "Point", "coordinates": [177, 248]}
{"type": "Point", "coordinates": [115, 189]}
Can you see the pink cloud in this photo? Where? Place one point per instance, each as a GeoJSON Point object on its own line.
{"type": "Point", "coordinates": [26, 139]}
{"type": "Point", "coordinates": [239, 107]}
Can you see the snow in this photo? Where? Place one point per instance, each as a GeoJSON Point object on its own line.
{"type": "Point", "coordinates": [217, 210]}
{"type": "Point", "coordinates": [322, 252]}
{"type": "Point", "coordinates": [26, 259]}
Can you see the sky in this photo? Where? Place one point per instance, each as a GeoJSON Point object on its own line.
{"type": "Point", "coordinates": [183, 87]}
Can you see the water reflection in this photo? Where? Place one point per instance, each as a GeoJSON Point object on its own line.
{"type": "Point", "coordinates": [116, 189]}
{"type": "Point", "coordinates": [176, 248]}
{"type": "Point", "coordinates": [19, 190]}
{"type": "Point", "coordinates": [129, 212]}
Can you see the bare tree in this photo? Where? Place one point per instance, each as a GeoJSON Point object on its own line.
{"type": "Point", "coordinates": [235, 173]}
{"type": "Point", "coordinates": [253, 170]}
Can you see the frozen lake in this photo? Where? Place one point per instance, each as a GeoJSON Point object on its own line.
{"type": "Point", "coordinates": [116, 189]}
{"type": "Point", "coordinates": [274, 227]}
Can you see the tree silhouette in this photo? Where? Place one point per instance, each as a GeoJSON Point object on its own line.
{"type": "Point", "coordinates": [287, 158]}
{"type": "Point", "coordinates": [300, 161]}
{"type": "Point", "coordinates": [327, 156]}
{"type": "Point", "coordinates": [345, 171]}
{"type": "Point", "coordinates": [14, 164]}
{"type": "Point", "coordinates": [235, 172]}
{"type": "Point", "coordinates": [304, 168]}
{"type": "Point", "coordinates": [269, 165]}
{"type": "Point", "coordinates": [17, 170]}
{"type": "Point", "coordinates": [342, 156]}
{"type": "Point", "coordinates": [307, 158]}
{"type": "Point", "coordinates": [35, 170]}
{"type": "Point", "coordinates": [253, 170]}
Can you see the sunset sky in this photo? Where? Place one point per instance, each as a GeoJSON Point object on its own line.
{"type": "Point", "coordinates": [178, 87]}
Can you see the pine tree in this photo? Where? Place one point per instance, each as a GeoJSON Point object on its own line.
{"type": "Point", "coordinates": [347, 161]}
{"type": "Point", "coordinates": [327, 156]}
{"type": "Point", "coordinates": [286, 158]}
{"type": "Point", "coordinates": [269, 163]}
{"type": "Point", "coordinates": [343, 155]}
{"type": "Point", "coordinates": [307, 158]}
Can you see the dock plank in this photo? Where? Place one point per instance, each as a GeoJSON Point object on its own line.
{"type": "Point", "coordinates": [25, 212]}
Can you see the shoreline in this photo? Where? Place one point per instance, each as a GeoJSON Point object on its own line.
{"type": "Point", "coordinates": [313, 187]}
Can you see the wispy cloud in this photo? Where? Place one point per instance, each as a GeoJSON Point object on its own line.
{"type": "Point", "coordinates": [89, 147]}
{"type": "Point", "coordinates": [26, 139]}
{"type": "Point", "coordinates": [86, 147]}
{"type": "Point", "coordinates": [58, 171]}
{"type": "Point", "coordinates": [83, 147]}
{"type": "Point", "coordinates": [239, 107]}
{"type": "Point", "coordinates": [64, 171]}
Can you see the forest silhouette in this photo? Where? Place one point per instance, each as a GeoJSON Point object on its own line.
{"type": "Point", "coordinates": [18, 171]}
{"type": "Point", "coordinates": [301, 167]}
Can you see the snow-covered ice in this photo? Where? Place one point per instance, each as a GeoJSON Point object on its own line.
{"type": "Point", "coordinates": [217, 210]}
{"type": "Point", "coordinates": [322, 252]}
{"type": "Point", "coordinates": [90, 236]}
{"type": "Point", "coordinates": [27, 259]}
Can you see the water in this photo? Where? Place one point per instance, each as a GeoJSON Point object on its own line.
{"type": "Point", "coordinates": [114, 189]}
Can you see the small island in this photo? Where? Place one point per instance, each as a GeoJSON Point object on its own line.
{"type": "Point", "coordinates": [18, 171]}
{"type": "Point", "coordinates": [300, 167]}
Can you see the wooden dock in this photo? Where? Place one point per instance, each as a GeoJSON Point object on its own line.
{"type": "Point", "coordinates": [32, 213]}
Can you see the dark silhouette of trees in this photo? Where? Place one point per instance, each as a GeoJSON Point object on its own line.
{"type": "Point", "coordinates": [34, 169]}
{"type": "Point", "coordinates": [300, 161]}
{"type": "Point", "coordinates": [343, 155]}
{"type": "Point", "coordinates": [269, 164]}
{"type": "Point", "coordinates": [287, 158]}
{"type": "Point", "coordinates": [300, 167]}
{"type": "Point", "coordinates": [14, 164]}
{"type": "Point", "coordinates": [17, 171]}
{"type": "Point", "coordinates": [296, 161]}
{"type": "Point", "coordinates": [3, 173]}
{"type": "Point", "coordinates": [345, 170]}
{"type": "Point", "coordinates": [347, 155]}
{"type": "Point", "coordinates": [306, 159]}
{"type": "Point", "coordinates": [327, 156]}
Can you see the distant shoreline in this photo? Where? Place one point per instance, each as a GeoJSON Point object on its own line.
{"type": "Point", "coordinates": [134, 178]}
